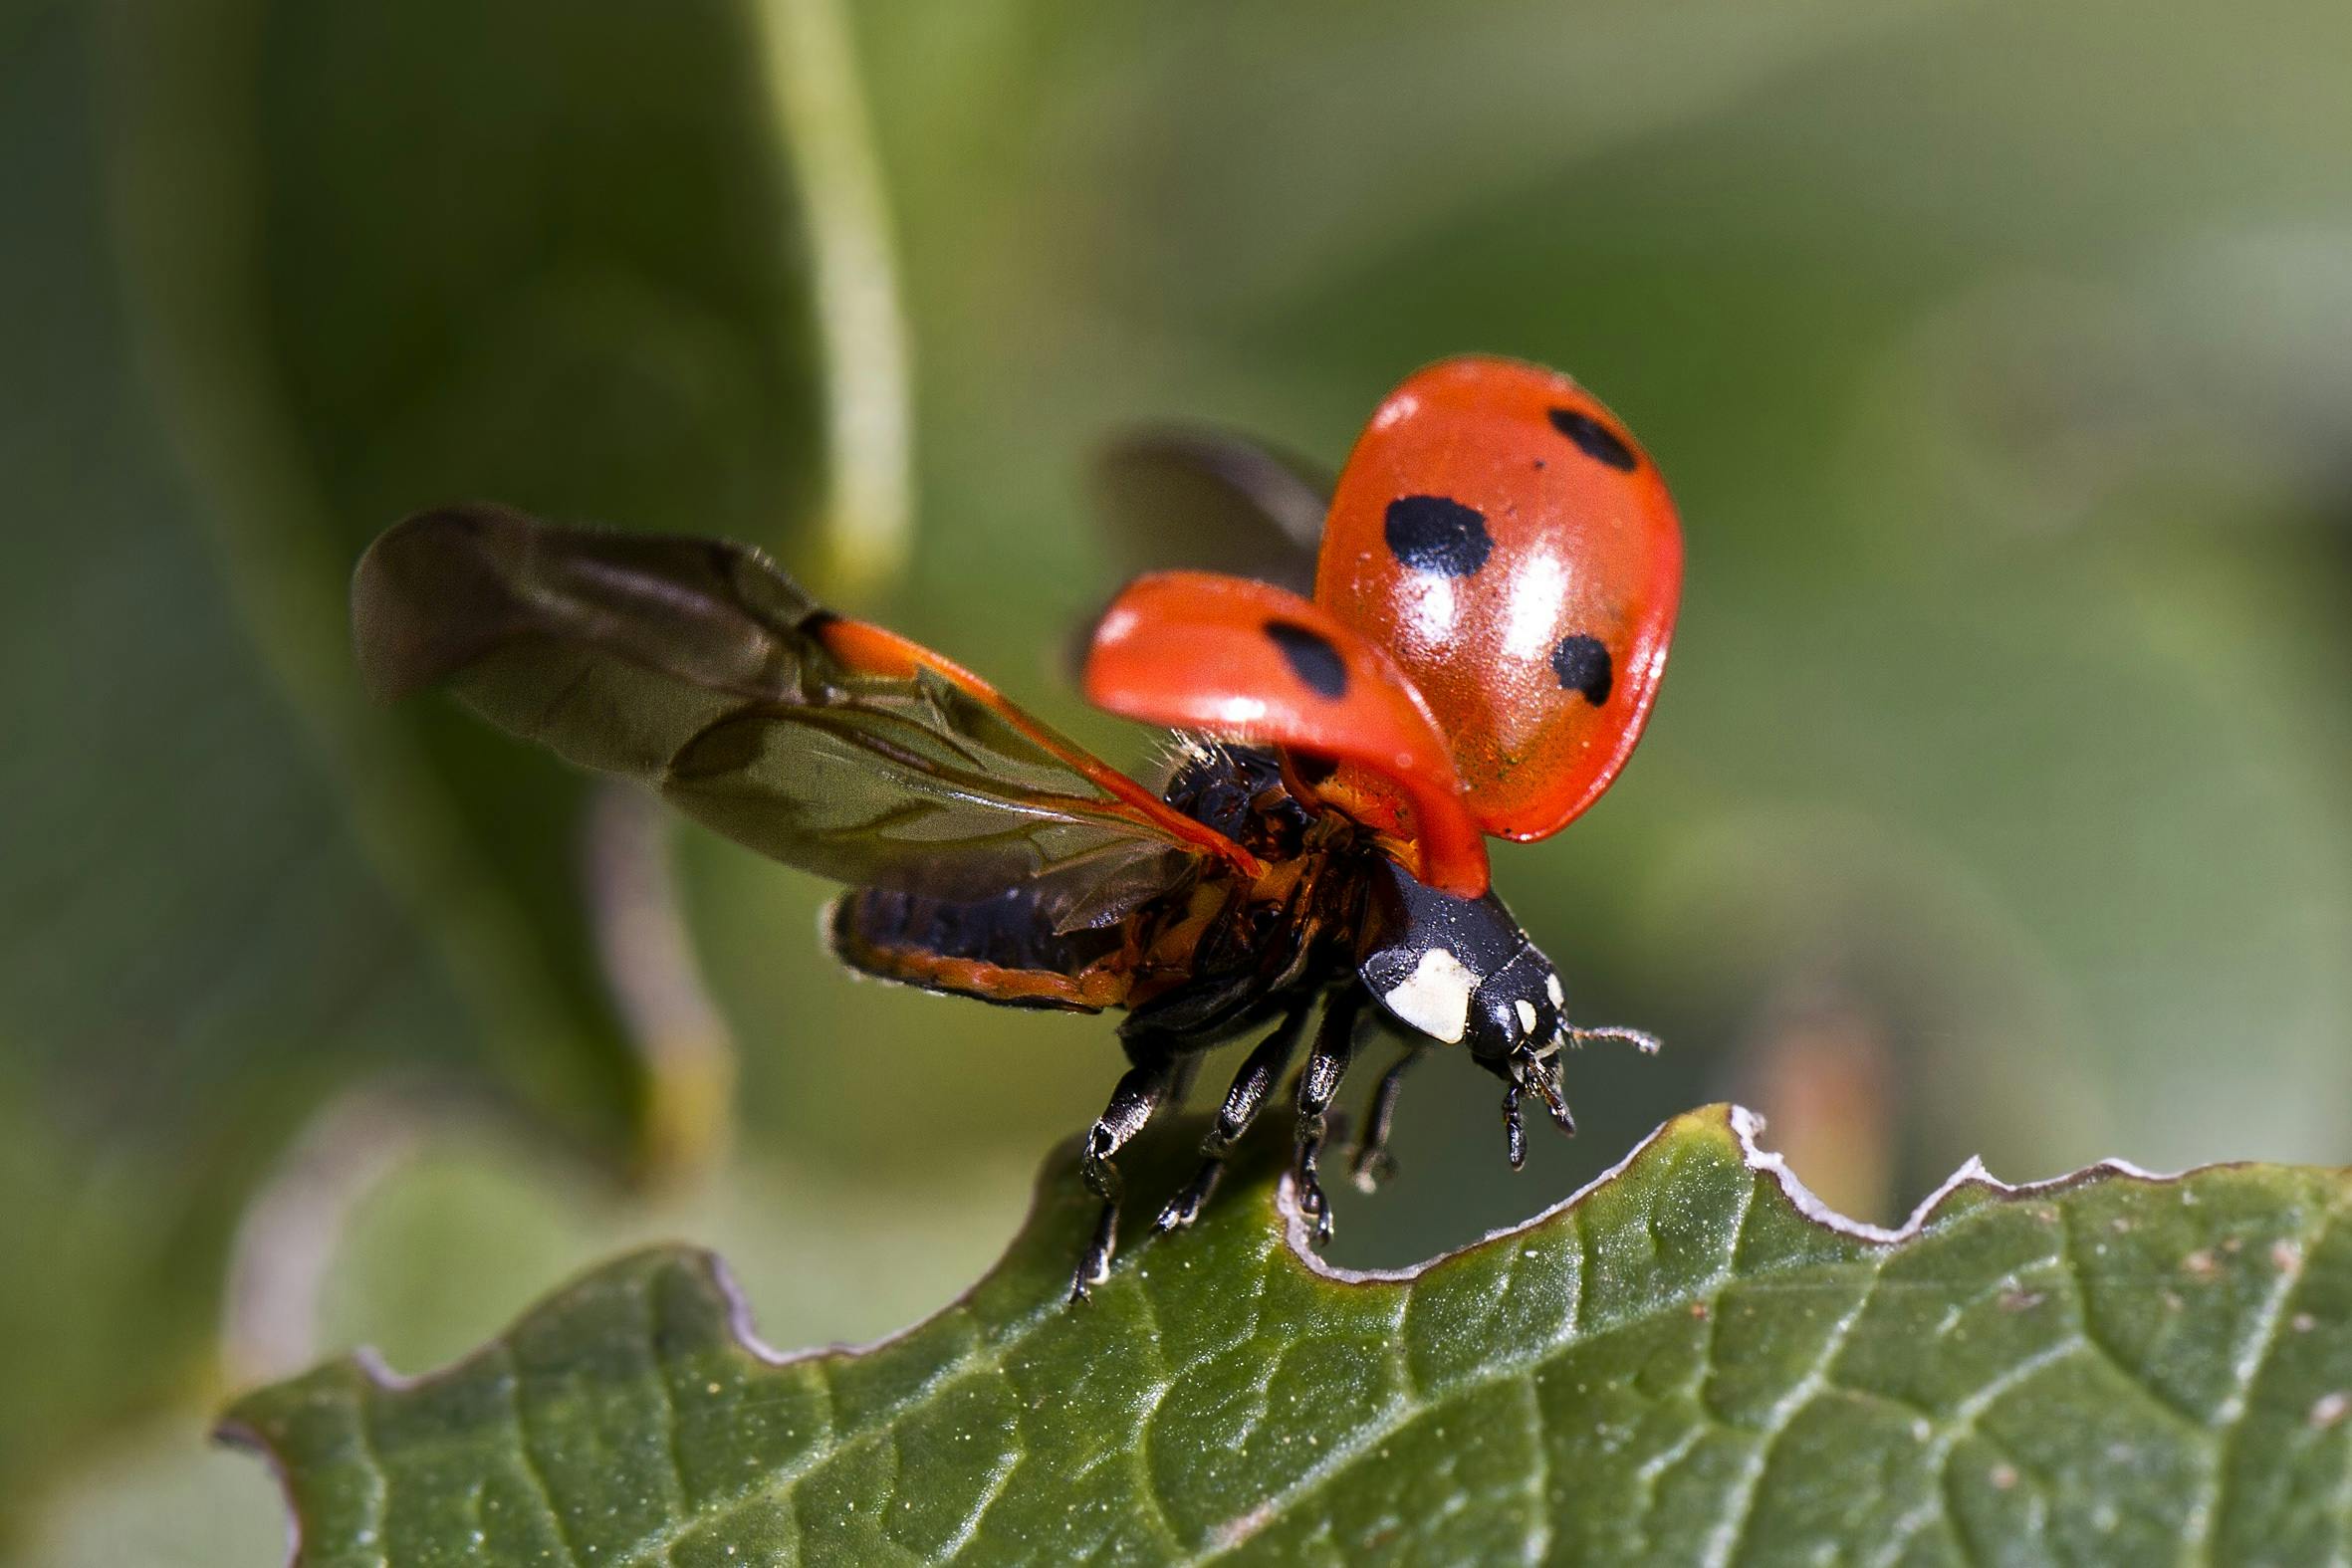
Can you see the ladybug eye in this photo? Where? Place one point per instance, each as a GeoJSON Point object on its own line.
{"type": "Point", "coordinates": [1312, 657]}
{"type": "Point", "coordinates": [1583, 666]}
{"type": "Point", "coordinates": [1594, 439]}
{"type": "Point", "coordinates": [1432, 534]}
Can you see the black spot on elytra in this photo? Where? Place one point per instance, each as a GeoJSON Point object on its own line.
{"type": "Point", "coordinates": [1583, 666]}
{"type": "Point", "coordinates": [1311, 656]}
{"type": "Point", "coordinates": [1432, 534]}
{"type": "Point", "coordinates": [1594, 439]}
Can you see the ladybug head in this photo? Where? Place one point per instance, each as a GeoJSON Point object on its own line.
{"type": "Point", "coordinates": [1461, 972]}
{"type": "Point", "coordinates": [1516, 1011]}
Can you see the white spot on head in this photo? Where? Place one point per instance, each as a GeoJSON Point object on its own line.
{"type": "Point", "coordinates": [1551, 989]}
{"type": "Point", "coordinates": [1527, 1016]}
{"type": "Point", "coordinates": [1434, 998]}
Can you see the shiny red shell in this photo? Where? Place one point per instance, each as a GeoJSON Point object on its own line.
{"type": "Point", "coordinates": [1515, 551]}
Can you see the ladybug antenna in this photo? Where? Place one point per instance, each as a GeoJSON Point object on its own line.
{"type": "Point", "coordinates": [1640, 1040]}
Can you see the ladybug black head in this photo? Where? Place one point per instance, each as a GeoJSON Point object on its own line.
{"type": "Point", "coordinates": [1461, 971]}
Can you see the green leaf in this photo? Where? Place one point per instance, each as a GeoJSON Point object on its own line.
{"type": "Point", "coordinates": [384, 258]}
{"type": "Point", "coordinates": [1691, 1361]}
{"type": "Point", "coordinates": [276, 268]}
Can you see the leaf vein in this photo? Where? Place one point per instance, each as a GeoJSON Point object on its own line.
{"type": "Point", "coordinates": [669, 1402]}
{"type": "Point", "coordinates": [2245, 1370]}
{"type": "Point", "coordinates": [525, 1449]}
{"type": "Point", "coordinates": [1146, 1484]}
{"type": "Point", "coordinates": [1960, 1422]}
{"type": "Point", "coordinates": [1729, 1531]}
{"type": "Point", "coordinates": [380, 1494]}
{"type": "Point", "coordinates": [1538, 1476]}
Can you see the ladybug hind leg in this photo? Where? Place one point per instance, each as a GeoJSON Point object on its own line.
{"type": "Point", "coordinates": [1160, 1073]}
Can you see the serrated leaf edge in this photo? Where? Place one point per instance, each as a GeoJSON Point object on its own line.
{"type": "Point", "coordinates": [1746, 1128]}
{"type": "Point", "coordinates": [1741, 1126]}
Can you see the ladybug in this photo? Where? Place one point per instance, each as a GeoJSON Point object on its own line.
{"type": "Point", "coordinates": [1494, 585]}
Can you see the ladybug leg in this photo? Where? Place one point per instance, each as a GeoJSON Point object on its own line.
{"type": "Point", "coordinates": [1370, 1165]}
{"type": "Point", "coordinates": [1543, 1077]}
{"type": "Point", "coordinates": [1526, 1072]}
{"type": "Point", "coordinates": [1149, 1084]}
{"type": "Point", "coordinates": [1318, 1081]}
{"type": "Point", "coordinates": [1250, 1086]}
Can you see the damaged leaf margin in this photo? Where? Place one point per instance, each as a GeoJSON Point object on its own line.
{"type": "Point", "coordinates": [1690, 1359]}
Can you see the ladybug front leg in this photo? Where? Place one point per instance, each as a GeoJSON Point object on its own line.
{"type": "Point", "coordinates": [1250, 1086]}
{"type": "Point", "coordinates": [1318, 1081]}
{"type": "Point", "coordinates": [1524, 1072]}
{"type": "Point", "coordinates": [1159, 1075]}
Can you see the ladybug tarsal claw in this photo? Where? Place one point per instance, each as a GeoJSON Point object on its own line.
{"type": "Point", "coordinates": [1515, 1132]}
{"type": "Point", "coordinates": [1313, 1208]}
{"type": "Point", "coordinates": [1183, 1209]}
{"type": "Point", "coordinates": [1095, 1266]}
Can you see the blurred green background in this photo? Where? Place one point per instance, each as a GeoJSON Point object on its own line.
{"type": "Point", "coordinates": [1999, 355]}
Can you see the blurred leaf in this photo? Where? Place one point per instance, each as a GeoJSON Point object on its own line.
{"type": "Point", "coordinates": [192, 948]}
{"type": "Point", "coordinates": [370, 255]}
{"type": "Point", "coordinates": [390, 258]}
{"type": "Point", "coordinates": [1690, 1361]}
{"type": "Point", "coordinates": [164, 1501]}
{"type": "Point", "coordinates": [2024, 709]}
{"type": "Point", "coordinates": [468, 1229]}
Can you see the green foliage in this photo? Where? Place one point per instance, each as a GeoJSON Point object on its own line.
{"type": "Point", "coordinates": [275, 274]}
{"type": "Point", "coordinates": [378, 265]}
{"type": "Point", "coordinates": [1689, 1362]}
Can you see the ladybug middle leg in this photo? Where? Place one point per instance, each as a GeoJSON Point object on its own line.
{"type": "Point", "coordinates": [1259, 1073]}
{"type": "Point", "coordinates": [1318, 1083]}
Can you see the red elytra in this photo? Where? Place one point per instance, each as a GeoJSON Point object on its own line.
{"type": "Point", "coordinates": [1516, 552]}
{"type": "Point", "coordinates": [1235, 657]}
{"type": "Point", "coordinates": [1499, 576]}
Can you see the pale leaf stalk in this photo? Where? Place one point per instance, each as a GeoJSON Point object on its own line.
{"type": "Point", "coordinates": [827, 141]}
